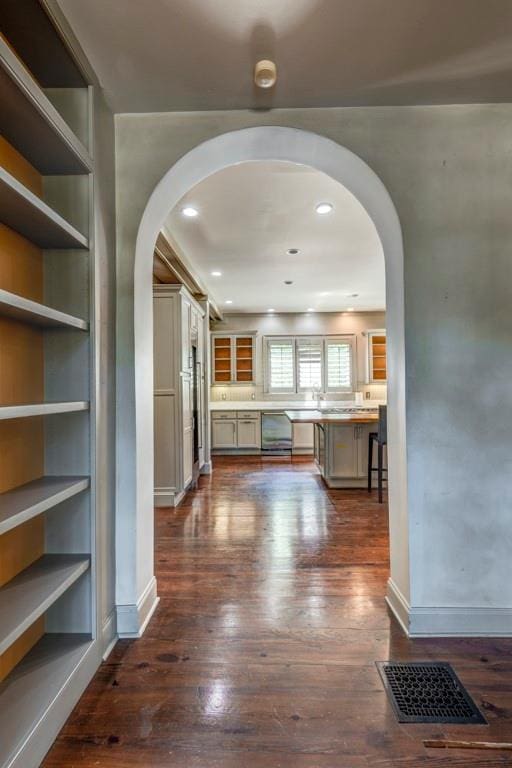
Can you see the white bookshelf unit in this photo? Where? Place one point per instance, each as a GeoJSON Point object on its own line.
{"type": "Point", "coordinates": [48, 559]}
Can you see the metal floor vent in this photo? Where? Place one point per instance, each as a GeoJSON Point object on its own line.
{"type": "Point", "coordinates": [427, 692]}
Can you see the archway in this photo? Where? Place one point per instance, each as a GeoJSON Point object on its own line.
{"type": "Point", "coordinates": [270, 143]}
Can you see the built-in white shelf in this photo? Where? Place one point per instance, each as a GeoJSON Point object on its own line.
{"type": "Point", "coordinates": [26, 597]}
{"type": "Point", "coordinates": [32, 499]}
{"type": "Point", "coordinates": [30, 122]}
{"type": "Point", "coordinates": [23, 211]}
{"type": "Point", "coordinates": [41, 409]}
{"type": "Point", "coordinates": [19, 308]}
{"type": "Point", "coordinates": [31, 689]}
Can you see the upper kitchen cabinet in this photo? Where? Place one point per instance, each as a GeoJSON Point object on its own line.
{"type": "Point", "coordinates": [377, 372]}
{"type": "Point", "coordinates": [233, 358]}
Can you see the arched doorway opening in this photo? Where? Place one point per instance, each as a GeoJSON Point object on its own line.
{"type": "Point", "coordinates": [270, 143]}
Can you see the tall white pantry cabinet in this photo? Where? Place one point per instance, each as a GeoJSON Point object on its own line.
{"type": "Point", "coordinates": [179, 321]}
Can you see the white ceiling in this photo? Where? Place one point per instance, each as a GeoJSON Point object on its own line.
{"type": "Point", "coordinates": [251, 214]}
{"type": "Point", "coordinates": [165, 55]}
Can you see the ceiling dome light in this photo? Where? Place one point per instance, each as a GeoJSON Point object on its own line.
{"type": "Point", "coordinates": [350, 309]}
{"type": "Point", "coordinates": [216, 273]}
{"type": "Point", "coordinates": [324, 208]}
{"type": "Point", "coordinates": [265, 74]}
{"type": "Point", "coordinates": [310, 309]}
{"type": "Point", "coordinates": [228, 301]}
{"type": "Point", "coordinates": [270, 310]}
{"type": "Point", "coordinates": [292, 251]}
{"type": "Point", "coordinates": [190, 212]}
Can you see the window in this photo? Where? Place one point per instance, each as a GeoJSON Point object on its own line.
{"type": "Point", "coordinates": [309, 364]}
{"type": "Point", "coordinates": [339, 365]}
{"type": "Point", "coordinates": [301, 364]}
{"type": "Point", "coordinates": [281, 365]}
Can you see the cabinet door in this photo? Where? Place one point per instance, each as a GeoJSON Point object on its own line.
{"type": "Point", "coordinates": [244, 359]}
{"type": "Point", "coordinates": [221, 359]}
{"type": "Point", "coordinates": [249, 433]}
{"type": "Point", "coordinates": [224, 433]}
{"type": "Point", "coordinates": [186, 352]}
{"type": "Point", "coordinates": [303, 436]}
{"type": "Point", "coordinates": [188, 431]}
{"type": "Point", "coordinates": [362, 434]}
{"type": "Point", "coordinates": [343, 451]}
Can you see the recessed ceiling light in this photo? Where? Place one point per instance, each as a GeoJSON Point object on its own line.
{"type": "Point", "coordinates": [350, 309]}
{"type": "Point", "coordinates": [190, 212]}
{"type": "Point", "coordinates": [323, 208]}
{"type": "Point", "coordinates": [216, 273]}
{"type": "Point", "coordinates": [292, 251]}
{"type": "Point", "coordinates": [288, 282]}
{"type": "Point", "coordinates": [352, 295]}
{"type": "Point", "coordinates": [270, 310]}
{"type": "Point", "coordinates": [310, 309]}
{"type": "Point", "coordinates": [228, 301]}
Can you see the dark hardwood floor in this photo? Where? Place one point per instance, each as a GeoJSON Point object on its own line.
{"type": "Point", "coordinates": [261, 653]}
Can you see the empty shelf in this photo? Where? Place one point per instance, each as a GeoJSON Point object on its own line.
{"type": "Point", "coordinates": [30, 122]}
{"type": "Point", "coordinates": [41, 409]}
{"type": "Point", "coordinates": [34, 498]}
{"type": "Point", "coordinates": [23, 211]}
{"type": "Point", "coordinates": [26, 597]}
{"type": "Point", "coordinates": [29, 28]}
{"type": "Point", "coordinates": [19, 308]}
{"type": "Point", "coordinates": [33, 686]}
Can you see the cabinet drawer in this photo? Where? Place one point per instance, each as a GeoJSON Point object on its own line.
{"type": "Point", "coordinates": [248, 415]}
{"type": "Point", "coordinates": [222, 415]}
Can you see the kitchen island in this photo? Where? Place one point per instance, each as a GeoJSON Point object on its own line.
{"type": "Point", "coordinates": [340, 443]}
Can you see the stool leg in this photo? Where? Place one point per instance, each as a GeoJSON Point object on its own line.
{"type": "Point", "coordinates": [370, 461]}
{"type": "Point", "coordinates": [379, 470]}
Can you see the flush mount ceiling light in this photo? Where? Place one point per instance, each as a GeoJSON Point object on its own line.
{"type": "Point", "coordinates": [292, 251]}
{"type": "Point", "coordinates": [270, 310]}
{"type": "Point", "coordinates": [310, 309]}
{"type": "Point", "coordinates": [265, 74]}
{"type": "Point", "coordinates": [324, 208]}
{"type": "Point", "coordinates": [190, 212]}
{"type": "Point", "coordinates": [216, 273]}
{"type": "Point", "coordinates": [228, 301]}
{"type": "Point", "coordinates": [350, 309]}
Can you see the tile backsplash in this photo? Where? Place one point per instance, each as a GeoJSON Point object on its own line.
{"type": "Point", "coordinates": [243, 394]}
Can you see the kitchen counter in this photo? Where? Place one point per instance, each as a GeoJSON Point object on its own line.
{"type": "Point", "coordinates": [286, 405]}
{"type": "Point", "coordinates": [317, 417]}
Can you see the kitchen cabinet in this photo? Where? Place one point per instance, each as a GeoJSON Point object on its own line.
{"type": "Point", "coordinates": [249, 433]}
{"type": "Point", "coordinates": [233, 358]}
{"type": "Point", "coordinates": [377, 366]}
{"type": "Point", "coordinates": [236, 430]}
{"type": "Point", "coordinates": [179, 357]}
{"type": "Point", "coordinates": [343, 451]}
{"type": "Point", "coordinates": [302, 438]}
{"type": "Point", "coordinates": [224, 434]}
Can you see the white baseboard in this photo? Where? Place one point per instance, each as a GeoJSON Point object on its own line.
{"type": "Point", "coordinates": [132, 620]}
{"type": "Point", "coordinates": [108, 634]}
{"type": "Point", "coordinates": [448, 621]}
{"type": "Point", "coordinates": [207, 468]}
{"type": "Point", "coordinates": [168, 498]}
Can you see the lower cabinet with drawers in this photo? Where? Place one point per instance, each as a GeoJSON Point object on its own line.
{"type": "Point", "coordinates": [236, 430]}
{"type": "Point", "coordinates": [240, 432]}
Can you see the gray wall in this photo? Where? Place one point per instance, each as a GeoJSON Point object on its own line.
{"type": "Point", "coordinates": [449, 173]}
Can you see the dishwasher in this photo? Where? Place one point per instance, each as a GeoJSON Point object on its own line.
{"type": "Point", "coordinates": [276, 433]}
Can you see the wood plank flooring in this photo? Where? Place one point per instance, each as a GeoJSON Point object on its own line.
{"type": "Point", "coordinates": [261, 653]}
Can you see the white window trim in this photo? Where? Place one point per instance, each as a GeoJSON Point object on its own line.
{"type": "Point", "coordinates": [346, 337]}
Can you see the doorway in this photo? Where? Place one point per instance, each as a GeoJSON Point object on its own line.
{"type": "Point", "coordinates": [287, 145]}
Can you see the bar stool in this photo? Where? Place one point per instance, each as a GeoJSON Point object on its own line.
{"type": "Point", "coordinates": [381, 438]}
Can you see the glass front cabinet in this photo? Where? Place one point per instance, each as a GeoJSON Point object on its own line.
{"type": "Point", "coordinates": [233, 358]}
